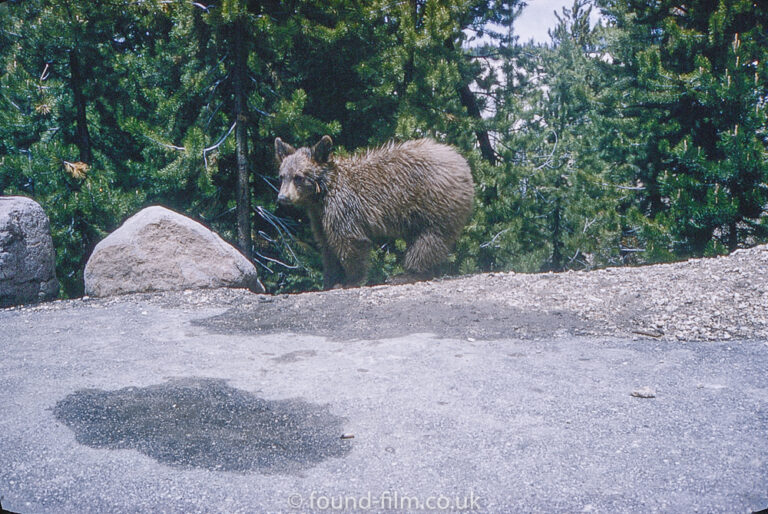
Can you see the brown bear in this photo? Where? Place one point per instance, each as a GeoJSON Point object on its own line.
{"type": "Point", "coordinates": [420, 191]}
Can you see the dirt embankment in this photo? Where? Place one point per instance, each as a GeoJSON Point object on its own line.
{"type": "Point", "coordinates": [696, 300]}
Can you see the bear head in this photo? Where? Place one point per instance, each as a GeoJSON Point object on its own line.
{"type": "Point", "coordinates": [302, 172]}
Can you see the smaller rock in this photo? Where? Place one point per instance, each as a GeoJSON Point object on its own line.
{"type": "Point", "coordinates": [160, 250]}
{"type": "Point", "coordinates": [27, 256]}
{"type": "Point", "coordinates": [644, 392]}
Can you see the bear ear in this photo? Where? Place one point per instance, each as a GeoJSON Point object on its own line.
{"type": "Point", "coordinates": [282, 150]}
{"type": "Point", "coordinates": [322, 150]}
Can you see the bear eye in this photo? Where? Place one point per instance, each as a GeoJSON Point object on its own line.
{"type": "Point", "coordinates": [298, 180]}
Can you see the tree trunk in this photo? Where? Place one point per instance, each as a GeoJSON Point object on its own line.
{"type": "Point", "coordinates": [557, 243]}
{"type": "Point", "coordinates": [239, 77]}
{"type": "Point", "coordinates": [82, 137]}
{"type": "Point", "coordinates": [733, 236]}
{"type": "Point", "coordinates": [409, 70]}
{"type": "Point", "coordinates": [468, 100]}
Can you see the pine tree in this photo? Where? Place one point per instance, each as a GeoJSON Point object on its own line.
{"type": "Point", "coordinates": [694, 82]}
{"type": "Point", "coordinates": [552, 202]}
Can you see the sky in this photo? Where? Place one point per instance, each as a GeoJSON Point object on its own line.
{"type": "Point", "coordinates": [539, 16]}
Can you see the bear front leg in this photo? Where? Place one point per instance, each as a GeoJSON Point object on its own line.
{"type": "Point", "coordinates": [333, 272]}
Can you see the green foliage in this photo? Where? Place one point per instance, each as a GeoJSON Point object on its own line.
{"type": "Point", "coordinates": [553, 201]}
{"type": "Point", "coordinates": [699, 89]}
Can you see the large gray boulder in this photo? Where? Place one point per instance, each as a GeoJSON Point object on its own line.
{"type": "Point", "coordinates": [27, 257]}
{"type": "Point", "coordinates": [160, 250]}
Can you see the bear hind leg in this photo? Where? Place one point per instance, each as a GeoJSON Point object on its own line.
{"type": "Point", "coordinates": [424, 253]}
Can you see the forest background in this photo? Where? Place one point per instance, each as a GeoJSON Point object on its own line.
{"type": "Point", "coordinates": [641, 139]}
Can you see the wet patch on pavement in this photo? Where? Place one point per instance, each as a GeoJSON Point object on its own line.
{"type": "Point", "coordinates": [205, 423]}
{"type": "Point", "coordinates": [353, 318]}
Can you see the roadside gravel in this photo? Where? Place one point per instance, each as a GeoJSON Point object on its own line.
{"type": "Point", "coordinates": [697, 300]}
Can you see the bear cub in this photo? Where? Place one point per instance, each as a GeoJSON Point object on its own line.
{"type": "Point", "coordinates": [420, 191]}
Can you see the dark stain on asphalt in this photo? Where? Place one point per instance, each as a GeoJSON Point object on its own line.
{"type": "Point", "coordinates": [205, 423]}
{"type": "Point", "coordinates": [354, 318]}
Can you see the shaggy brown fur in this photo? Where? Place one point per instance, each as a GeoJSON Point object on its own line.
{"type": "Point", "coordinates": [419, 190]}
